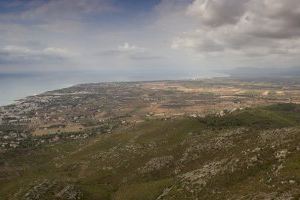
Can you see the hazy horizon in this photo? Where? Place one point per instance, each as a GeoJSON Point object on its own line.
{"type": "Point", "coordinates": [141, 40]}
{"type": "Point", "coordinates": [15, 86]}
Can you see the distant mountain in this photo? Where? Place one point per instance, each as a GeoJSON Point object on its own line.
{"type": "Point", "coordinates": [264, 72]}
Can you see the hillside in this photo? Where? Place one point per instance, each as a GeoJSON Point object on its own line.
{"type": "Point", "coordinates": [252, 153]}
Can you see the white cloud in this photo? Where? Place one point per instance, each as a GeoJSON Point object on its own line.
{"type": "Point", "coordinates": [243, 27]}
{"type": "Point", "coordinates": [126, 47]}
{"type": "Point", "coordinates": [19, 54]}
{"type": "Point", "coordinates": [188, 34]}
{"type": "Point", "coordinates": [54, 51]}
{"type": "Point", "coordinates": [11, 49]}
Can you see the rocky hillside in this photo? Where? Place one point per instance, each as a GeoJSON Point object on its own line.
{"type": "Point", "coordinates": [247, 154]}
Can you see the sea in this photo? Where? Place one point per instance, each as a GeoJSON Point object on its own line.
{"type": "Point", "coordinates": [15, 86]}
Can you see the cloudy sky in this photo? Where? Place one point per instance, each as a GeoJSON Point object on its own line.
{"type": "Point", "coordinates": [151, 35]}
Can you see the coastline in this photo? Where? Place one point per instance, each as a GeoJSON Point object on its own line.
{"type": "Point", "coordinates": [16, 88]}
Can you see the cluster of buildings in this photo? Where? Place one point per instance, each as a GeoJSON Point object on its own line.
{"type": "Point", "coordinates": [76, 110]}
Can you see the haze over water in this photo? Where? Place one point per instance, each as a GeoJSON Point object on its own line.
{"type": "Point", "coordinates": [17, 86]}
{"type": "Point", "coordinates": [140, 40]}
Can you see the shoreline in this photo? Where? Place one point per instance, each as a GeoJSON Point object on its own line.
{"type": "Point", "coordinates": [59, 86]}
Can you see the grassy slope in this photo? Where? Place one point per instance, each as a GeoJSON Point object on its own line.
{"type": "Point", "coordinates": [109, 166]}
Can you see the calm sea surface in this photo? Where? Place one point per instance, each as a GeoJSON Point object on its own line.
{"type": "Point", "coordinates": [17, 86]}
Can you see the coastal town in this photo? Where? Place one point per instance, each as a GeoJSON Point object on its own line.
{"type": "Point", "coordinates": [149, 100]}
{"type": "Point", "coordinates": [84, 110]}
{"type": "Point", "coordinates": [169, 139]}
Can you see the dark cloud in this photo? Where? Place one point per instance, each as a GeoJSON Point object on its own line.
{"type": "Point", "coordinates": [94, 34]}
{"type": "Point", "coordinates": [244, 27]}
{"type": "Point", "coordinates": [36, 10]}
{"type": "Point", "coordinates": [216, 13]}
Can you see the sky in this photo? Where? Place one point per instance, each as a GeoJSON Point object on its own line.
{"type": "Point", "coordinates": [147, 35]}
